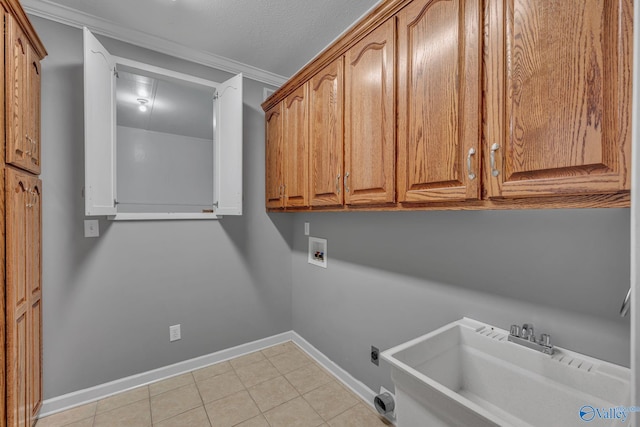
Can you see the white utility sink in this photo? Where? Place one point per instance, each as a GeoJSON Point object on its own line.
{"type": "Point", "coordinates": [468, 374]}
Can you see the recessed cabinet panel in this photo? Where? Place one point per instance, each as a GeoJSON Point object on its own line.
{"type": "Point", "coordinates": [438, 101]}
{"type": "Point", "coordinates": [33, 114]}
{"type": "Point", "coordinates": [17, 149]}
{"type": "Point", "coordinates": [295, 148]}
{"type": "Point", "coordinates": [558, 112]}
{"type": "Point", "coordinates": [326, 138]}
{"type": "Point", "coordinates": [273, 154]}
{"type": "Point", "coordinates": [370, 118]}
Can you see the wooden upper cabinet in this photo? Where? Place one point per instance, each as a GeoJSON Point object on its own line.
{"type": "Point", "coordinates": [23, 100]}
{"type": "Point", "coordinates": [273, 155]}
{"type": "Point", "coordinates": [369, 172]}
{"type": "Point", "coordinates": [295, 148]}
{"type": "Point", "coordinates": [326, 138]}
{"type": "Point", "coordinates": [439, 73]}
{"type": "Point", "coordinates": [558, 97]}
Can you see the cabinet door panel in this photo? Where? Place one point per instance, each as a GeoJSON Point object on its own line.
{"type": "Point", "coordinates": [326, 135]}
{"type": "Point", "coordinates": [17, 305]}
{"type": "Point", "coordinates": [16, 101]}
{"type": "Point", "coordinates": [273, 155]}
{"type": "Point", "coordinates": [34, 281]}
{"type": "Point", "coordinates": [438, 100]}
{"type": "Point", "coordinates": [295, 148]}
{"type": "Point", "coordinates": [558, 103]}
{"type": "Point", "coordinates": [33, 116]}
{"type": "Point", "coordinates": [370, 118]}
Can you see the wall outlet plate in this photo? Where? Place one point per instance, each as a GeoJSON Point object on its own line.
{"type": "Point", "coordinates": [174, 333]}
{"type": "Point", "coordinates": [317, 252]}
{"type": "Point", "coordinates": [375, 356]}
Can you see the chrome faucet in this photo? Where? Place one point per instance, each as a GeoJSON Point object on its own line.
{"type": "Point", "coordinates": [526, 336]}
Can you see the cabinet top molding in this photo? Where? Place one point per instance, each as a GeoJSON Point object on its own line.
{"type": "Point", "coordinates": [377, 16]}
{"type": "Point", "coordinates": [14, 8]}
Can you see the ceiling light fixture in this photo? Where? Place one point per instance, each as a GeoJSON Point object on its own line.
{"type": "Point", "coordinates": [143, 104]}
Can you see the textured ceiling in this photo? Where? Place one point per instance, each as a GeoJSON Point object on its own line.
{"type": "Point", "coordinates": [278, 36]}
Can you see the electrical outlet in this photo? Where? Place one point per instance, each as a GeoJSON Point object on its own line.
{"type": "Point", "coordinates": [375, 356]}
{"type": "Point", "coordinates": [174, 333]}
{"type": "Point", "coordinates": [306, 228]}
{"type": "Point", "coordinates": [91, 228]}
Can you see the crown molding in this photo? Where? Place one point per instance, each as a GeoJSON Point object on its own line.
{"type": "Point", "coordinates": [74, 18]}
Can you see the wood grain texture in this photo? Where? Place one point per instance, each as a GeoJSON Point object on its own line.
{"type": "Point", "coordinates": [34, 284]}
{"type": "Point", "coordinates": [16, 97]}
{"type": "Point", "coordinates": [17, 302]}
{"type": "Point", "coordinates": [370, 118]}
{"type": "Point", "coordinates": [273, 155]}
{"type": "Point", "coordinates": [33, 80]}
{"type": "Point", "coordinates": [296, 148]}
{"type": "Point", "coordinates": [326, 135]}
{"type": "Point", "coordinates": [17, 12]}
{"type": "Point", "coordinates": [439, 100]}
{"type": "Point", "coordinates": [559, 98]}
{"type": "Point", "coordinates": [616, 200]}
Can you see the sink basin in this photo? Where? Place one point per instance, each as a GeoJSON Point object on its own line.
{"type": "Point", "coordinates": [468, 374]}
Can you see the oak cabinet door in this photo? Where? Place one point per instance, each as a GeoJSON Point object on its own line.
{"type": "Point", "coordinates": [273, 155]}
{"type": "Point", "coordinates": [326, 139]}
{"type": "Point", "coordinates": [17, 145]}
{"type": "Point", "coordinates": [295, 148]}
{"type": "Point", "coordinates": [34, 282]}
{"type": "Point", "coordinates": [439, 73]}
{"type": "Point", "coordinates": [558, 100]}
{"type": "Point", "coordinates": [32, 115]}
{"type": "Point", "coordinates": [17, 187]}
{"type": "Point", "coordinates": [370, 118]}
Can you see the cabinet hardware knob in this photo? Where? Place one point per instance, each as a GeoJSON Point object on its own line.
{"type": "Point", "coordinates": [495, 147]}
{"type": "Point", "coordinates": [346, 186]}
{"type": "Point", "coordinates": [338, 184]}
{"type": "Point", "coordinates": [472, 152]}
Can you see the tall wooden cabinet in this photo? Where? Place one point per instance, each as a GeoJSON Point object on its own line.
{"type": "Point", "coordinates": [21, 391]}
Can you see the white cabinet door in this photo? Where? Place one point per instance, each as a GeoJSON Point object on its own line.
{"type": "Point", "coordinates": [227, 149]}
{"type": "Point", "coordinates": [99, 128]}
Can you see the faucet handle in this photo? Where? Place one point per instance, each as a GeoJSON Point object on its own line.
{"type": "Point", "coordinates": [515, 330]}
{"type": "Point", "coordinates": [527, 332]}
{"type": "Point", "coordinates": [545, 340]}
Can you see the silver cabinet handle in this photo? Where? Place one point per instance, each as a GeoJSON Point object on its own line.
{"type": "Point", "coordinates": [472, 152]}
{"type": "Point", "coordinates": [495, 147]}
{"type": "Point", "coordinates": [338, 184]}
{"type": "Point", "coordinates": [346, 186]}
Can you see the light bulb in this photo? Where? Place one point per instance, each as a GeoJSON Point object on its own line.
{"type": "Point", "coordinates": [142, 108]}
{"type": "Point", "coordinates": [143, 104]}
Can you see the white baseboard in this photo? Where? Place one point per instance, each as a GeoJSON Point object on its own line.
{"type": "Point", "coordinates": [88, 395]}
{"type": "Point", "coordinates": [81, 397]}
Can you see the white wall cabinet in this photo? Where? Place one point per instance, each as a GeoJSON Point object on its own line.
{"type": "Point", "coordinates": [106, 104]}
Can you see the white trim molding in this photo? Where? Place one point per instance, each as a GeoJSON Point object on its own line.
{"type": "Point", "coordinates": [74, 18]}
{"type": "Point", "coordinates": [101, 391]}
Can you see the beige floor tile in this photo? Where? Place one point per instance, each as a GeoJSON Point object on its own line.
{"type": "Point", "coordinates": [330, 400]}
{"type": "Point", "coordinates": [290, 361]}
{"type": "Point", "coordinates": [279, 349]}
{"type": "Point", "coordinates": [272, 393]}
{"type": "Point", "coordinates": [174, 402]}
{"type": "Point", "coordinates": [247, 359]}
{"type": "Point", "coordinates": [256, 373]}
{"type": "Point", "coordinates": [134, 415]}
{"type": "Point", "coordinates": [68, 416]}
{"type": "Point", "coordinates": [122, 399]}
{"type": "Point", "coordinates": [212, 371]}
{"type": "Point", "coordinates": [87, 422]}
{"type": "Point", "coordinates": [170, 384]}
{"type": "Point", "coordinates": [259, 421]}
{"type": "Point", "coordinates": [220, 386]}
{"type": "Point", "coordinates": [231, 410]}
{"type": "Point", "coordinates": [295, 413]}
{"type": "Point", "coordinates": [194, 418]}
{"type": "Point", "coordinates": [308, 378]}
{"type": "Point", "coordinates": [358, 416]}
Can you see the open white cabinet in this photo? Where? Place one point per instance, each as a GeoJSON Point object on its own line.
{"type": "Point", "coordinates": [180, 140]}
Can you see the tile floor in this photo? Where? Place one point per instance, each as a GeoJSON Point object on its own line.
{"type": "Point", "coordinates": [278, 386]}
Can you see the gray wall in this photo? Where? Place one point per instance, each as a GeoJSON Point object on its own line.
{"type": "Point", "coordinates": [395, 276]}
{"type": "Point", "coordinates": [108, 302]}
